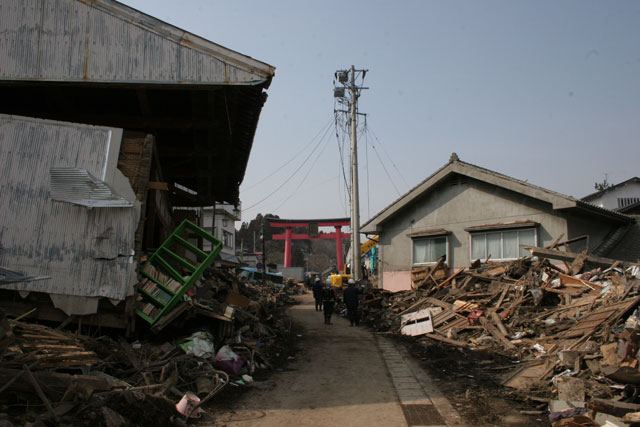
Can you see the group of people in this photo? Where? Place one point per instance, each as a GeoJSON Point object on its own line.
{"type": "Point", "coordinates": [326, 298]}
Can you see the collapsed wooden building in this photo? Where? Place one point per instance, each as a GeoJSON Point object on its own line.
{"type": "Point", "coordinates": [110, 118]}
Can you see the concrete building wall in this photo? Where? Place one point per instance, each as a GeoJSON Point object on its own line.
{"type": "Point", "coordinates": [454, 205]}
{"type": "Point", "coordinates": [596, 229]}
{"type": "Point", "coordinates": [296, 273]}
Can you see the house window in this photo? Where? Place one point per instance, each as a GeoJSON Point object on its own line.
{"type": "Point", "coordinates": [502, 245]}
{"type": "Point", "coordinates": [626, 201]}
{"type": "Point", "coordinates": [227, 239]}
{"type": "Point", "coordinates": [428, 250]}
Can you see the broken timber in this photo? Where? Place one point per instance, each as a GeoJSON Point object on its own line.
{"type": "Point", "coordinates": [571, 257]}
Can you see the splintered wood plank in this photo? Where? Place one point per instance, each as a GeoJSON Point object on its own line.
{"type": "Point", "coordinates": [493, 330]}
{"type": "Point", "coordinates": [505, 290]}
{"type": "Point", "coordinates": [613, 407]}
{"type": "Point", "coordinates": [439, 303]}
{"type": "Point", "coordinates": [578, 263]}
{"type": "Point", "coordinates": [570, 256]}
{"type": "Point", "coordinates": [51, 347]}
{"type": "Point", "coordinates": [46, 338]}
{"type": "Point", "coordinates": [450, 278]}
{"type": "Point", "coordinates": [591, 321]}
{"type": "Point", "coordinates": [457, 325]}
{"type": "Point", "coordinates": [570, 280]}
{"type": "Point", "coordinates": [446, 340]}
{"type": "Point", "coordinates": [524, 376]}
{"type": "Point", "coordinates": [496, 319]}
{"type": "Point", "coordinates": [555, 242]}
{"type": "Point", "coordinates": [443, 317]}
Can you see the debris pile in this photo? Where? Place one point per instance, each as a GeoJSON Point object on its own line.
{"type": "Point", "coordinates": [572, 331]}
{"type": "Point", "coordinates": [55, 377]}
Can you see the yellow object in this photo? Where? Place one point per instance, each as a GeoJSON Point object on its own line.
{"type": "Point", "coordinates": [369, 244]}
{"type": "Point", "coordinates": [340, 280]}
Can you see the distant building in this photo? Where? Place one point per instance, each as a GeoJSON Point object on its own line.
{"type": "Point", "coordinates": [250, 259]}
{"type": "Point", "coordinates": [221, 223]}
{"type": "Point", "coordinates": [618, 197]}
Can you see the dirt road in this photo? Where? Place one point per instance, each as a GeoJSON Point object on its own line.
{"type": "Point", "coordinates": [342, 376]}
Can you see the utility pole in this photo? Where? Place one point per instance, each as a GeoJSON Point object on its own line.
{"type": "Point", "coordinates": [264, 252]}
{"type": "Point", "coordinates": [355, 193]}
{"type": "Point", "coordinates": [348, 80]}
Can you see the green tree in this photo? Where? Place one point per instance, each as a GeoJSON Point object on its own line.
{"type": "Point", "coordinates": [603, 185]}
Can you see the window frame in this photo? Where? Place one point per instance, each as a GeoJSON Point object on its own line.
{"type": "Point", "coordinates": [429, 237]}
{"type": "Point", "coordinates": [500, 231]}
{"type": "Point", "coordinates": [225, 233]}
{"type": "Point", "coordinates": [623, 202]}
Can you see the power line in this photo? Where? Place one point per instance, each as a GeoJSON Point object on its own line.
{"type": "Point", "coordinates": [384, 167]}
{"type": "Point", "coordinates": [341, 151]}
{"type": "Point", "coordinates": [290, 176]}
{"type": "Point", "coordinates": [323, 129]}
{"type": "Point", "coordinates": [389, 157]}
{"type": "Point", "coordinates": [366, 155]}
{"type": "Point", "coordinates": [308, 172]}
{"type": "Point", "coordinates": [342, 197]}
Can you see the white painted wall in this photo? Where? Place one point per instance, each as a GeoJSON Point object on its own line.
{"type": "Point", "coordinates": [611, 199]}
{"type": "Point", "coordinates": [225, 220]}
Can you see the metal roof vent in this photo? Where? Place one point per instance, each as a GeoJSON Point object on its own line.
{"type": "Point", "coordinates": [78, 186]}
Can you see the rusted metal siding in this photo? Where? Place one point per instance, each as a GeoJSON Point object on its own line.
{"type": "Point", "coordinates": [85, 251]}
{"type": "Point", "coordinates": [105, 41]}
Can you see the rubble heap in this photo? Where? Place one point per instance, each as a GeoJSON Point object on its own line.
{"type": "Point", "coordinates": [55, 377]}
{"type": "Point", "coordinates": [572, 331]}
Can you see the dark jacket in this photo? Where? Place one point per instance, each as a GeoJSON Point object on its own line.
{"type": "Point", "coordinates": [329, 294]}
{"type": "Point", "coordinates": [350, 296]}
{"type": "Point", "coordinates": [317, 290]}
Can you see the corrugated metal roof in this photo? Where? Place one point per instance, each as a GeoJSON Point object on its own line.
{"type": "Point", "coordinates": [103, 41]}
{"type": "Point", "coordinates": [100, 62]}
{"type": "Point", "coordinates": [9, 276]}
{"type": "Point", "coordinates": [85, 251]}
{"type": "Point", "coordinates": [104, 63]}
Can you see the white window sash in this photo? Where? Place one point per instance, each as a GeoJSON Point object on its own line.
{"type": "Point", "coordinates": [499, 246]}
{"type": "Point", "coordinates": [428, 250]}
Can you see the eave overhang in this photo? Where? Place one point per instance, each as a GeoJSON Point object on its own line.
{"type": "Point", "coordinates": [115, 66]}
{"type": "Point", "coordinates": [556, 200]}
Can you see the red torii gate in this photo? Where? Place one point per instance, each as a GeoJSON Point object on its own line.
{"type": "Point", "coordinates": [289, 235]}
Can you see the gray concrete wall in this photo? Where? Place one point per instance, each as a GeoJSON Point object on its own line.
{"type": "Point", "coordinates": [455, 205]}
{"type": "Point", "coordinates": [596, 229]}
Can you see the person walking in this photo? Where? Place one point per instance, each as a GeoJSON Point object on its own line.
{"type": "Point", "coordinates": [351, 300]}
{"type": "Point", "coordinates": [317, 293]}
{"type": "Point", "coordinates": [329, 298]}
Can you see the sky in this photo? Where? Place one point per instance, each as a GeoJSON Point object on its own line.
{"type": "Point", "coordinates": [543, 91]}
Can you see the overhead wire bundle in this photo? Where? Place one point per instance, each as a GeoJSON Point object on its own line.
{"type": "Point", "coordinates": [323, 132]}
